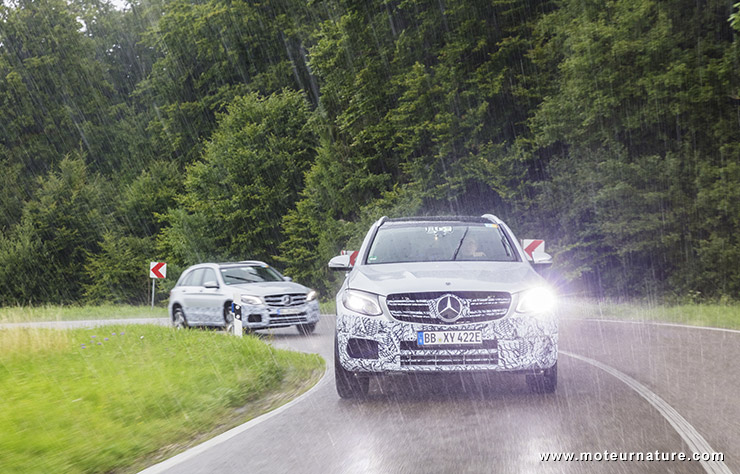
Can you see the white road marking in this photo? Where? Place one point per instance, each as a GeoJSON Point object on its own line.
{"type": "Point", "coordinates": [653, 323]}
{"type": "Point", "coordinates": [693, 439]}
{"type": "Point", "coordinates": [223, 437]}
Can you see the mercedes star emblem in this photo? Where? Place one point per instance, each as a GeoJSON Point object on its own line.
{"type": "Point", "coordinates": [449, 308]}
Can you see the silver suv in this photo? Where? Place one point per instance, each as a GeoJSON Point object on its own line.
{"type": "Point", "coordinates": [443, 294]}
{"type": "Point", "coordinates": [210, 294]}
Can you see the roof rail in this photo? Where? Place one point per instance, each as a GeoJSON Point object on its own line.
{"type": "Point", "coordinates": [492, 217]}
{"type": "Point", "coordinates": [439, 219]}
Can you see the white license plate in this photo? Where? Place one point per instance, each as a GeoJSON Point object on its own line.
{"type": "Point", "coordinates": [448, 338]}
{"type": "Point", "coordinates": [289, 311]}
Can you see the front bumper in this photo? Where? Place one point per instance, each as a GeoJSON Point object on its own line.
{"type": "Point", "coordinates": [265, 317]}
{"type": "Point", "coordinates": [513, 343]}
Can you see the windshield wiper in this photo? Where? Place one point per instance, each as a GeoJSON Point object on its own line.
{"type": "Point", "coordinates": [240, 278]}
{"type": "Point", "coordinates": [505, 243]}
{"type": "Point", "coordinates": [454, 256]}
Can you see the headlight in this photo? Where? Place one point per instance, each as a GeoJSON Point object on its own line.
{"type": "Point", "coordinates": [361, 302]}
{"type": "Point", "coordinates": [249, 299]}
{"type": "Point", "coordinates": [311, 295]}
{"type": "Point", "coordinates": [536, 300]}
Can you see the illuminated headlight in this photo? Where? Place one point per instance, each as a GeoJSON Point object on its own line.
{"type": "Point", "coordinates": [311, 295]}
{"type": "Point", "coordinates": [536, 300]}
{"type": "Point", "coordinates": [249, 299]}
{"type": "Point", "coordinates": [361, 302]}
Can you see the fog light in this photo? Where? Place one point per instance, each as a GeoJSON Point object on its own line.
{"type": "Point", "coordinates": [362, 348]}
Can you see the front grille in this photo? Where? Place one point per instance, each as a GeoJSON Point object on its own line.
{"type": "Point", "coordinates": [429, 359]}
{"type": "Point", "coordinates": [286, 301]}
{"type": "Point", "coordinates": [477, 306]}
{"type": "Point", "coordinates": [279, 320]}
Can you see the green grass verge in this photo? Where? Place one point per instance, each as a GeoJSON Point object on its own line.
{"type": "Point", "coordinates": [707, 315]}
{"type": "Point", "coordinates": [22, 314]}
{"type": "Point", "coordinates": [123, 397]}
{"type": "Point", "coordinates": [328, 306]}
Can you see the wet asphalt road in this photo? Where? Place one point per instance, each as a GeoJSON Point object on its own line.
{"type": "Point", "coordinates": [494, 424]}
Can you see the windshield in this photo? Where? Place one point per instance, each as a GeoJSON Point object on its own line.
{"type": "Point", "coordinates": [234, 275]}
{"type": "Point", "coordinates": [440, 242]}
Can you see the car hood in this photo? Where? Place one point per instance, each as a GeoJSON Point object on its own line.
{"type": "Point", "coordinates": [384, 279]}
{"type": "Point", "coordinates": [269, 288]}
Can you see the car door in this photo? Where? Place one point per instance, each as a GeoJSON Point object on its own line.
{"type": "Point", "coordinates": [190, 294]}
{"type": "Point", "coordinates": [209, 301]}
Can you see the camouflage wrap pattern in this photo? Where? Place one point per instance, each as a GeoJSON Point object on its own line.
{"type": "Point", "coordinates": [307, 313]}
{"type": "Point", "coordinates": [524, 342]}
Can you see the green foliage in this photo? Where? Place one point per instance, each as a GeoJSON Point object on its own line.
{"type": "Point", "coordinates": [422, 102]}
{"type": "Point", "coordinates": [54, 95]}
{"type": "Point", "coordinates": [299, 252]}
{"type": "Point", "coordinates": [632, 130]}
{"type": "Point", "coordinates": [44, 258]}
{"type": "Point", "coordinates": [251, 174]}
{"type": "Point", "coordinates": [718, 246]}
{"type": "Point", "coordinates": [12, 195]}
{"type": "Point", "coordinates": [608, 128]}
{"type": "Point", "coordinates": [212, 52]}
{"type": "Point", "coordinates": [617, 227]}
{"type": "Point", "coordinates": [735, 17]}
{"type": "Point", "coordinates": [146, 196]}
{"type": "Point", "coordinates": [117, 273]}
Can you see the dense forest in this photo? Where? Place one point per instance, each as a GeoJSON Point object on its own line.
{"type": "Point", "coordinates": [195, 130]}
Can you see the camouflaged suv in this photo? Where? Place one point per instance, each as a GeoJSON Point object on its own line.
{"type": "Point", "coordinates": [443, 294]}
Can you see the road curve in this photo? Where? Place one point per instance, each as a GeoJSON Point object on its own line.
{"type": "Point", "coordinates": [493, 424]}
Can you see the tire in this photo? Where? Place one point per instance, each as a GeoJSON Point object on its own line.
{"type": "Point", "coordinates": [178, 318]}
{"type": "Point", "coordinates": [546, 382]}
{"type": "Point", "coordinates": [349, 385]}
{"type": "Point", "coordinates": [306, 329]}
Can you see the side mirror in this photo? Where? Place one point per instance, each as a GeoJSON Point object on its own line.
{"type": "Point", "coordinates": [535, 250]}
{"type": "Point", "coordinates": [287, 278]}
{"type": "Point", "coordinates": [211, 284]}
{"type": "Point", "coordinates": [542, 264]}
{"type": "Point", "coordinates": [340, 262]}
{"type": "Point", "coordinates": [542, 258]}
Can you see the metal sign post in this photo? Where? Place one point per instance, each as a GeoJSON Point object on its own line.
{"type": "Point", "coordinates": [153, 280]}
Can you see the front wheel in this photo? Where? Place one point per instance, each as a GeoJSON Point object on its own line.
{"type": "Point", "coordinates": [546, 382]}
{"type": "Point", "coordinates": [348, 384]}
{"type": "Point", "coordinates": [178, 319]}
{"type": "Point", "coordinates": [306, 329]}
{"type": "Point", "coordinates": [228, 319]}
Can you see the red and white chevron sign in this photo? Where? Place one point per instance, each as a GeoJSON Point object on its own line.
{"type": "Point", "coordinates": [157, 270]}
{"type": "Point", "coordinates": [532, 246]}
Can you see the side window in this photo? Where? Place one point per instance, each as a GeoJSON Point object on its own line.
{"type": "Point", "coordinates": [195, 278]}
{"type": "Point", "coordinates": [208, 275]}
{"type": "Point", "coordinates": [188, 280]}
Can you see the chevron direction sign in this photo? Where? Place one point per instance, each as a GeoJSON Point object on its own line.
{"type": "Point", "coordinates": [532, 246]}
{"type": "Point", "coordinates": [157, 269]}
